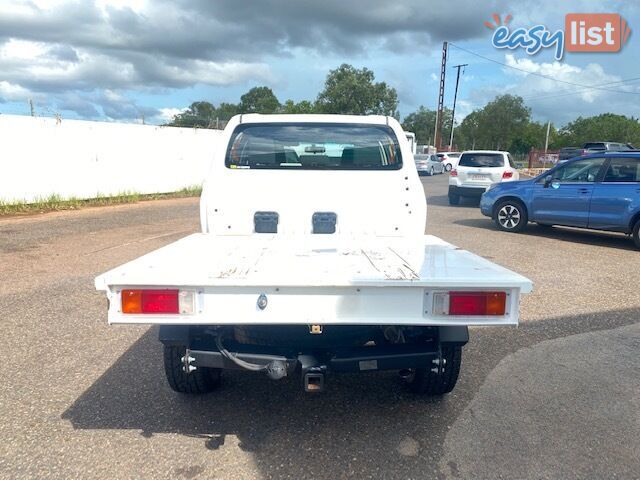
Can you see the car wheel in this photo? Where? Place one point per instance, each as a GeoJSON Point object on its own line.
{"type": "Point", "coordinates": [447, 167]}
{"type": "Point", "coordinates": [511, 216]}
{"type": "Point", "coordinates": [438, 381]}
{"type": "Point", "coordinates": [201, 380]}
{"type": "Point", "coordinates": [636, 234]}
{"type": "Point", "coordinates": [454, 199]}
{"type": "Point", "coordinates": [431, 172]}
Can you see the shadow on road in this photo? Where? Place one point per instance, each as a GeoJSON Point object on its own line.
{"type": "Point", "coordinates": [565, 234]}
{"type": "Point", "coordinates": [443, 201]}
{"type": "Point", "coordinates": [369, 423]}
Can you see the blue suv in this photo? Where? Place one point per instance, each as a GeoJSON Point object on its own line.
{"type": "Point", "coordinates": [599, 191]}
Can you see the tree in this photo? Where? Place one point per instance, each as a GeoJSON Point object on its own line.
{"type": "Point", "coordinates": [259, 100]}
{"type": "Point", "coordinates": [227, 110]}
{"type": "Point", "coordinates": [468, 131]}
{"type": "Point", "coordinates": [605, 127]}
{"type": "Point", "coordinates": [348, 90]}
{"type": "Point", "coordinates": [422, 122]}
{"type": "Point", "coordinates": [495, 126]}
{"type": "Point", "coordinates": [305, 106]}
{"type": "Point", "coordinates": [503, 119]}
{"type": "Point", "coordinates": [198, 114]}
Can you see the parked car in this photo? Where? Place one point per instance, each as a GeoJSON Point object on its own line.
{"type": "Point", "coordinates": [477, 170]}
{"type": "Point", "coordinates": [600, 191]}
{"type": "Point", "coordinates": [428, 164]}
{"type": "Point", "coordinates": [597, 147]}
{"type": "Point", "coordinates": [312, 264]}
{"type": "Point", "coordinates": [569, 152]}
{"type": "Point", "coordinates": [449, 159]}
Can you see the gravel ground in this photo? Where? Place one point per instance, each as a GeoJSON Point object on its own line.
{"type": "Point", "coordinates": [556, 397]}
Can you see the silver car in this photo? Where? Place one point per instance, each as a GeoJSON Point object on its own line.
{"type": "Point", "coordinates": [428, 164]}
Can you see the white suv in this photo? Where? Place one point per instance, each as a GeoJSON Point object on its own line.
{"type": "Point", "coordinates": [477, 170]}
{"type": "Point", "coordinates": [449, 159]}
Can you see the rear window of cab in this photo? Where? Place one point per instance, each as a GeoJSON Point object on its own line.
{"type": "Point", "coordinates": [481, 160]}
{"type": "Point", "coordinates": [313, 146]}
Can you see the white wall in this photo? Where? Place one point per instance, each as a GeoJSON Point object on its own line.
{"type": "Point", "coordinates": [73, 158]}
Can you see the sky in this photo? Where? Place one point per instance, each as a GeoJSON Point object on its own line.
{"type": "Point", "coordinates": [119, 60]}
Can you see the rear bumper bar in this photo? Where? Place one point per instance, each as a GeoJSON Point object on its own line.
{"type": "Point", "coordinates": [467, 191]}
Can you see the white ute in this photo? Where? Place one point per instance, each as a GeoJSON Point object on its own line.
{"type": "Point", "coordinates": [312, 260]}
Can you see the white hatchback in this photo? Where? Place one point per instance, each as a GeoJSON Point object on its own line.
{"type": "Point", "coordinates": [477, 170]}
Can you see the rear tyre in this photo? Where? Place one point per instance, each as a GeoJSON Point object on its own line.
{"type": "Point", "coordinates": [201, 380]}
{"type": "Point", "coordinates": [431, 172]}
{"type": "Point", "coordinates": [511, 216]}
{"type": "Point", "coordinates": [454, 199]}
{"type": "Point", "coordinates": [425, 381]}
{"type": "Point", "coordinates": [636, 234]}
{"type": "Point", "coordinates": [447, 167]}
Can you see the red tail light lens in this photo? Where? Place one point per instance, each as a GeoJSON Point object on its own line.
{"type": "Point", "coordinates": [150, 301]}
{"type": "Point", "coordinates": [454, 173]}
{"type": "Point", "coordinates": [507, 175]}
{"type": "Point", "coordinates": [469, 303]}
{"type": "Point", "coordinates": [477, 303]}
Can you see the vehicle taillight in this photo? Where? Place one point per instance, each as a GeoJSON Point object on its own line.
{"type": "Point", "coordinates": [470, 303]}
{"type": "Point", "coordinates": [170, 301]}
{"type": "Point", "coordinates": [453, 173]}
{"type": "Point", "coordinates": [507, 175]}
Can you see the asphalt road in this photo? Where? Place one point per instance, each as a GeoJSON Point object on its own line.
{"type": "Point", "coordinates": [557, 397]}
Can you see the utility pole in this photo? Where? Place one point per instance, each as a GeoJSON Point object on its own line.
{"type": "Point", "coordinates": [546, 142]}
{"type": "Point", "coordinates": [33, 111]}
{"type": "Point", "coordinates": [437, 134]}
{"type": "Point", "coordinates": [455, 97]}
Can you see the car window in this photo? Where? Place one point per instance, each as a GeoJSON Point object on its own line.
{"type": "Point", "coordinates": [623, 146]}
{"type": "Point", "coordinates": [512, 164]}
{"type": "Point", "coordinates": [595, 146]}
{"type": "Point", "coordinates": [434, 158]}
{"type": "Point", "coordinates": [579, 171]}
{"type": "Point", "coordinates": [454, 154]}
{"type": "Point", "coordinates": [623, 170]}
{"type": "Point", "coordinates": [481, 160]}
{"type": "Point", "coordinates": [314, 146]}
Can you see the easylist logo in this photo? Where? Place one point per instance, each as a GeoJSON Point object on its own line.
{"type": "Point", "coordinates": [595, 32]}
{"type": "Point", "coordinates": [584, 32]}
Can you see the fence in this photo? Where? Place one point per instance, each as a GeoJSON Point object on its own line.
{"type": "Point", "coordinates": [73, 158]}
{"type": "Point", "coordinates": [543, 158]}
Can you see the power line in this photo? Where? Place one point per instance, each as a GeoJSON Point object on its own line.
{"type": "Point", "coordinates": [577, 92]}
{"type": "Point", "coordinates": [539, 74]}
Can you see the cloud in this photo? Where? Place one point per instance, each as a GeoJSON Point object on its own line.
{"type": "Point", "coordinates": [54, 49]}
{"type": "Point", "coordinates": [550, 99]}
{"type": "Point", "coordinates": [167, 114]}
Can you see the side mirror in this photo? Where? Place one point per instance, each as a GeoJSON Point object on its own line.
{"type": "Point", "coordinates": [547, 181]}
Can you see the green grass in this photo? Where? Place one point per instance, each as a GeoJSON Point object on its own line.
{"type": "Point", "coordinates": [55, 202]}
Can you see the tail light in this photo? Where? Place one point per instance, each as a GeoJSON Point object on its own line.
{"type": "Point", "coordinates": [470, 303]}
{"type": "Point", "coordinates": [507, 175]}
{"type": "Point", "coordinates": [170, 301]}
{"type": "Point", "coordinates": [453, 173]}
